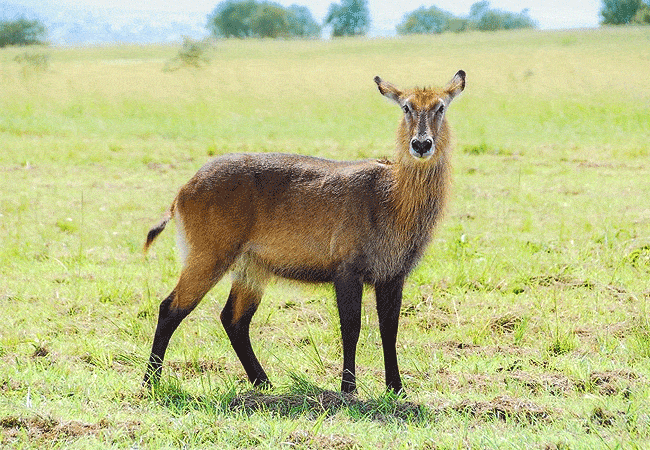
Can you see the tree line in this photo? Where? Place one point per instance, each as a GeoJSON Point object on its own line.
{"type": "Point", "coordinates": [263, 19]}
{"type": "Point", "coordinates": [250, 18]}
{"type": "Point", "coordinates": [266, 19]}
{"type": "Point", "coordinates": [481, 17]}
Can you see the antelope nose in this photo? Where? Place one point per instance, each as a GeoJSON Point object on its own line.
{"type": "Point", "coordinates": [421, 147]}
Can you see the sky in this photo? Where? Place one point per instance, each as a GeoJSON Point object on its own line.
{"type": "Point", "coordinates": [385, 14]}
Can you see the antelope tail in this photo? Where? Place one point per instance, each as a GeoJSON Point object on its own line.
{"type": "Point", "coordinates": [156, 230]}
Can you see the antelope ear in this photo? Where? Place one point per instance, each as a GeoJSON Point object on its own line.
{"type": "Point", "coordinates": [456, 85]}
{"type": "Point", "coordinates": [389, 90]}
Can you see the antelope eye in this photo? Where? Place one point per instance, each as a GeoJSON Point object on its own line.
{"type": "Point", "coordinates": [406, 109]}
{"type": "Point", "coordinates": [441, 109]}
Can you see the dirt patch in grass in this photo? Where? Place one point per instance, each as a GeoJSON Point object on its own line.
{"type": "Point", "coordinates": [464, 381]}
{"type": "Point", "coordinates": [40, 352]}
{"type": "Point", "coordinates": [306, 439]}
{"type": "Point", "coordinates": [566, 282]}
{"type": "Point", "coordinates": [552, 383]}
{"type": "Point", "coordinates": [457, 349]}
{"type": "Point", "coordinates": [617, 329]}
{"type": "Point", "coordinates": [504, 408]}
{"type": "Point", "coordinates": [536, 383]}
{"type": "Point", "coordinates": [560, 280]}
{"type": "Point", "coordinates": [614, 381]}
{"type": "Point", "coordinates": [47, 429]}
{"type": "Point", "coordinates": [434, 321]}
{"type": "Point", "coordinates": [602, 417]}
{"type": "Point", "coordinates": [606, 383]}
{"type": "Point", "coordinates": [506, 323]}
{"type": "Point", "coordinates": [198, 367]}
{"type": "Point", "coordinates": [11, 385]}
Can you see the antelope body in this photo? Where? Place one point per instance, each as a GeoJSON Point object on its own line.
{"type": "Point", "coordinates": [313, 220]}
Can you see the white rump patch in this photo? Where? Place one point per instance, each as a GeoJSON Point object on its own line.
{"type": "Point", "coordinates": [181, 239]}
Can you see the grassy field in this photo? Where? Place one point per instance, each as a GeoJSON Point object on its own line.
{"type": "Point", "coordinates": [527, 324]}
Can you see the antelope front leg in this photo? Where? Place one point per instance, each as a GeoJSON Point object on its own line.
{"type": "Point", "coordinates": [389, 302]}
{"type": "Point", "coordinates": [349, 289]}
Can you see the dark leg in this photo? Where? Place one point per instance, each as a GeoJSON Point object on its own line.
{"type": "Point", "coordinates": [389, 302]}
{"type": "Point", "coordinates": [168, 321]}
{"type": "Point", "coordinates": [236, 319]}
{"type": "Point", "coordinates": [195, 281]}
{"type": "Point", "coordinates": [348, 298]}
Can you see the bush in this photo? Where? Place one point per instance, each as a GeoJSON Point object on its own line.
{"type": "Point", "coordinates": [270, 20]}
{"type": "Point", "coordinates": [21, 32]}
{"type": "Point", "coordinates": [248, 18]}
{"type": "Point", "coordinates": [350, 18]}
{"type": "Point", "coordinates": [426, 20]}
{"type": "Point", "coordinates": [191, 54]}
{"type": "Point", "coordinates": [301, 23]}
{"type": "Point", "coordinates": [37, 61]}
{"type": "Point", "coordinates": [481, 17]}
{"type": "Point", "coordinates": [494, 20]}
{"type": "Point", "coordinates": [619, 12]}
{"type": "Point", "coordinates": [642, 16]}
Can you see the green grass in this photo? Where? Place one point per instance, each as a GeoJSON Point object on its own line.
{"type": "Point", "coordinates": [526, 325]}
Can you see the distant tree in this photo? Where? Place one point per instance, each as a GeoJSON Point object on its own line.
{"type": "Point", "coordinates": [232, 18]}
{"type": "Point", "coordinates": [642, 16]}
{"type": "Point", "coordinates": [459, 24]}
{"type": "Point", "coordinates": [619, 12]}
{"type": "Point", "coordinates": [494, 20]}
{"type": "Point", "coordinates": [269, 21]}
{"type": "Point", "coordinates": [483, 18]}
{"type": "Point", "coordinates": [301, 23]}
{"type": "Point", "coordinates": [21, 32]}
{"type": "Point", "coordinates": [521, 20]}
{"type": "Point", "coordinates": [248, 18]}
{"type": "Point", "coordinates": [426, 20]}
{"type": "Point", "coordinates": [478, 10]}
{"type": "Point", "coordinates": [349, 18]}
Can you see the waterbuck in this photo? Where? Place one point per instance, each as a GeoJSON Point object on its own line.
{"type": "Point", "coordinates": [313, 220]}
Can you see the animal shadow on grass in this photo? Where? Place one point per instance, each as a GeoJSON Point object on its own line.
{"type": "Point", "coordinates": [318, 402]}
{"type": "Point", "coordinates": [301, 398]}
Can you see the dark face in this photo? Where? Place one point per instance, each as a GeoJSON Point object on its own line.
{"type": "Point", "coordinates": [423, 117]}
{"type": "Point", "coordinates": [424, 114]}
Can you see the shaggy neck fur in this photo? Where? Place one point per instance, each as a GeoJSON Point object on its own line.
{"type": "Point", "coordinates": [419, 188]}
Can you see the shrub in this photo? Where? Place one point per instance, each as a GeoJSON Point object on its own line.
{"type": "Point", "coordinates": [349, 18]}
{"type": "Point", "coordinates": [191, 54]}
{"type": "Point", "coordinates": [21, 32]}
{"type": "Point", "coordinates": [426, 20]}
{"type": "Point", "coordinates": [36, 61]}
{"type": "Point", "coordinates": [248, 18]}
{"type": "Point", "coordinates": [619, 12]}
{"type": "Point", "coordinates": [481, 17]}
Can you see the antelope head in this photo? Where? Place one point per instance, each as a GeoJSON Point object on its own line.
{"type": "Point", "coordinates": [423, 130]}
